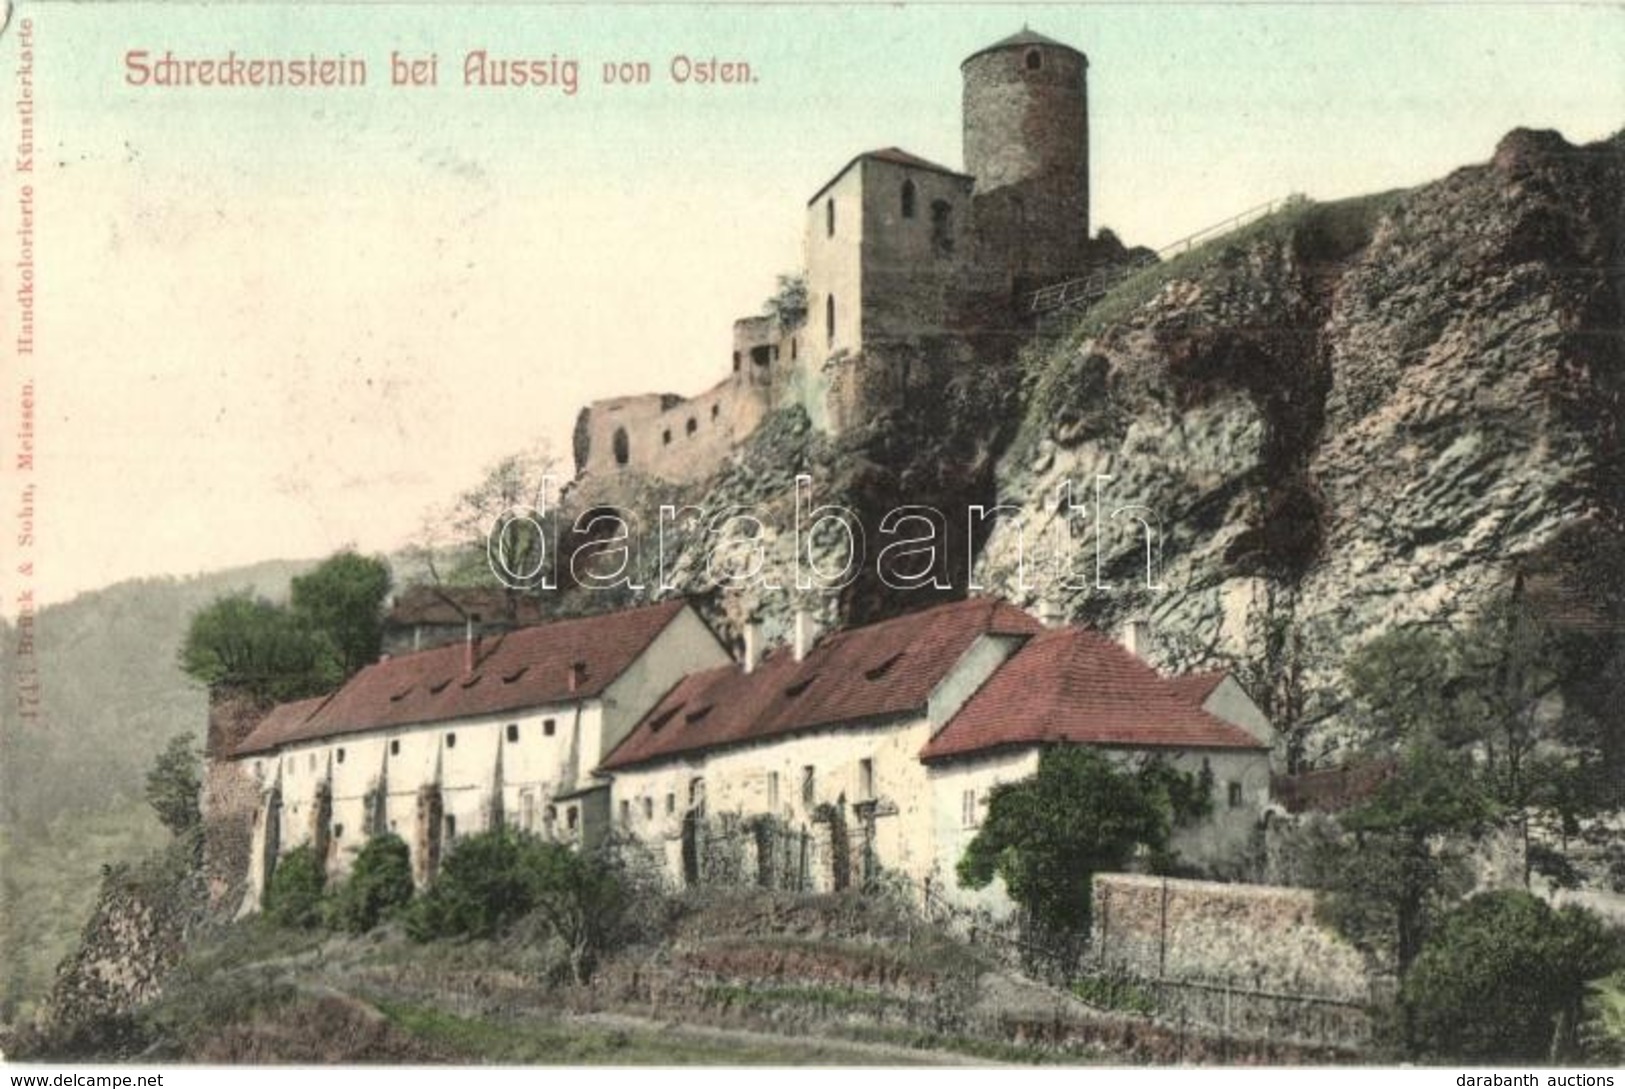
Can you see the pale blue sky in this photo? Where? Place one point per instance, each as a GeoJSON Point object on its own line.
{"type": "Point", "coordinates": [276, 321]}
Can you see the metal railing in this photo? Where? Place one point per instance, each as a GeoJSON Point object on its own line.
{"type": "Point", "coordinates": [1084, 291]}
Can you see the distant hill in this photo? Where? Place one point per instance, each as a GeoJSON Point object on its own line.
{"type": "Point", "coordinates": [71, 785]}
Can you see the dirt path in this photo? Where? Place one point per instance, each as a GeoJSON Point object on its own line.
{"type": "Point", "coordinates": [843, 1052]}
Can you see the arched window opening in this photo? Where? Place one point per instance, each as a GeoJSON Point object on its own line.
{"type": "Point", "coordinates": [693, 425]}
{"type": "Point", "coordinates": [1035, 60]}
{"type": "Point", "coordinates": [942, 227]}
{"type": "Point", "coordinates": [829, 217]}
{"type": "Point", "coordinates": [623, 446]}
{"type": "Point", "coordinates": [665, 437]}
{"type": "Point", "coordinates": [829, 319]}
{"type": "Point", "coordinates": [908, 199]}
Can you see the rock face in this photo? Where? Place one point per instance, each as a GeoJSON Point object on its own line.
{"type": "Point", "coordinates": [1349, 417]}
{"type": "Point", "coordinates": [1340, 419]}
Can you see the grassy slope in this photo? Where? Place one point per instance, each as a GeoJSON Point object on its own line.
{"type": "Point", "coordinates": [71, 785]}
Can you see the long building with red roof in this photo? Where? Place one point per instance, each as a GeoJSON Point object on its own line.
{"type": "Point", "coordinates": [877, 748]}
{"type": "Point", "coordinates": [817, 765]}
{"type": "Point", "coordinates": [436, 744]}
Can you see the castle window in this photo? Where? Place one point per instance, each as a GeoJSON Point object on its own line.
{"type": "Point", "coordinates": [829, 318]}
{"type": "Point", "coordinates": [715, 411]}
{"type": "Point", "coordinates": [1235, 795]}
{"type": "Point", "coordinates": [761, 355]}
{"type": "Point", "coordinates": [571, 818]}
{"type": "Point", "coordinates": [395, 747]}
{"type": "Point", "coordinates": [451, 827]}
{"type": "Point", "coordinates": [648, 808]}
{"type": "Point", "coordinates": [967, 809]}
{"type": "Point", "coordinates": [792, 347]}
{"type": "Point", "coordinates": [692, 426]}
{"type": "Point", "coordinates": [338, 831]}
{"type": "Point", "coordinates": [772, 791]}
{"type": "Point", "coordinates": [736, 361]}
{"type": "Point", "coordinates": [451, 741]}
{"type": "Point", "coordinates": [548, 727]}
{"type": "Point", "coordinates": [671, 804]}
{"type": "Point", "coordinates": [626, 813]}
{"type": "Point", "coordinates": [1035, 60]}
{"type": "Point", "coordinates": [665, 437]}
{"type": "Point", "coordinates": [829, 217]}
{"type": "Point", "coordinates": [908, 199]}
{"type": "Point", "coordinates": [809, 784]}
{"type": "Point", "coordinates": [866, 778]}
{"type": "Point", "coordinates": [622, 446]}
{"type": "Point", "coordinates": [339, 755]}
{"type": "Point", "coordinates": [513, 731]}
{"type": "Point", "coordinates": [942, 227]}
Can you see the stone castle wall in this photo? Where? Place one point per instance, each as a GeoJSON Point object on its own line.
{"type": "Point", "coordinates": [1257, 937]}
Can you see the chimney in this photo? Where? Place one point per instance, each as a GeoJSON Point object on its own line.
{"type": "Point", "coordinates": [1050, 614]}
{"type": "Point", "coordinates": [1137, 637]}
{"type": "Point", "coordinates": [806, 633]}
{"type": "Point", "coordinates": [578, 675]}
{"type": "Point", "coordinates": [753, 645]}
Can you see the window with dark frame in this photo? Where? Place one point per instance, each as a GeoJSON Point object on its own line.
{"type": "Point", "coordinates": [513, 731]}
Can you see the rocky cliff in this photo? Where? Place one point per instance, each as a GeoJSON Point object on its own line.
{"type": "Point", "coordinates": [1346, 418]}
{"type": "Point", "coordinates": [1340, 419]}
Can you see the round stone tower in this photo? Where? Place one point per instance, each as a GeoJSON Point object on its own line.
{"type": "Point", "coordinates": [1026, 118]}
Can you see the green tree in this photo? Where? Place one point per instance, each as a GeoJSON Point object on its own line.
{"type": "Point", "coordinates": [582, 898]}
{"type": "Point", "coordinates": [250, 644]}
{"type": "Point", "coordinates": [293, 897]}
{"type": "Point", "coordinates": [1505, 980]}
{"type": "Point", "coordinates": [453, 540]}
{"type": "Point", "coordinates": [485, 883]}
{"type": "Point", "coordinates": [173, 786]}
{"type": "Point", "coordinates": [1403, 859]}
{"type": "Point", "coordinates": [1047, 836]}
{"type": "Point", "coordinates": [788, 303]}
{"type": "Point", "coordinates": [342, 601]}
{"type": "Point", "coordinates": [379, 883]}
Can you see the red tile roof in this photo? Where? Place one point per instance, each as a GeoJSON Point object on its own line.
{"type": "Point", "coordinates": [1330, 790]}
{"type": "Point", "coordinates": [452, 604]}
{"type": "Point", "coordinates": [528, 667]}
{"type": "Point", "coordinates": [1076, 685]}
{"type": "Point", "coordinates": [284, 720]}
{"type": "Point", "coordinates": [884, 669]}
{"type": "Point", "coordinates": [894, 155]}
{"type": "Point", "coordinates": [1195, 688]}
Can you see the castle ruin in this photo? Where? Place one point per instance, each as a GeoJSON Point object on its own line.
{"type": "Point", "coordinates": [913, 271]}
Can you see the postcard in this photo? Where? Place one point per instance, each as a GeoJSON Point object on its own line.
{"type": "Point", "coordinates": [759, 534]}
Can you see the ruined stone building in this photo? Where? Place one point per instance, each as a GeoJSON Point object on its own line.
{"type": "Point", "coordinates": [822, 764]}
{"type": "Point", "coordinates": [913, 270]}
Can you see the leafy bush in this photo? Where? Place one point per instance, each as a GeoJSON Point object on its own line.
{"type": "Point", "coordinates": [173, 786]}
{"type": "Point", "coordinates": [293, 897]}
{"type": "Point", "coordinates": [492, 879]}
{"type": "Point", "coordinates": [484, 884]}
{"type": "Point", "coordinates": [1504, 980]}
{"type": "Point", "coordinates": [380, 882]}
